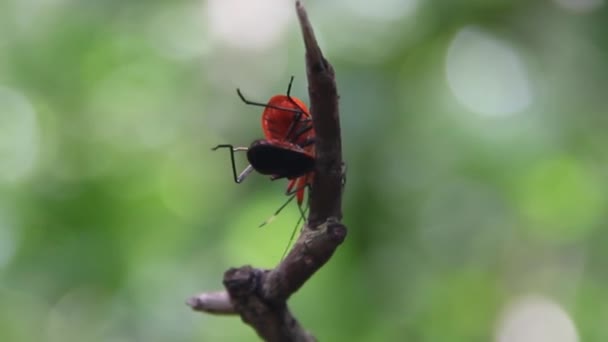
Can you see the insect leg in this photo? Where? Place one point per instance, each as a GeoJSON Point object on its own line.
{"type": "Point", "coordinates": [232, 149]}
{"type": "Point", "coordinates": [265, 105]}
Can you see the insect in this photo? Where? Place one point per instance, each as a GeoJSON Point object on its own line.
{"type": "Point", "coordinates": [278, 159]}
{"type": "Point", "coordinates": [286, 152]}
{"type": "Point", "coordinates": [288, 148]}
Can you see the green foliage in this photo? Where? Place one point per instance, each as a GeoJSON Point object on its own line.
{"type": "Point", "coordinates": [474, 133]}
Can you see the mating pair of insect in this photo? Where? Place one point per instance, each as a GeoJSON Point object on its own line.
{"type": "Point", "coordinates": [287, 150]}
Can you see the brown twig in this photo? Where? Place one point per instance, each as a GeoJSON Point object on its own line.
{"type": "Point", "coordinates": [260, 296]}
{"type": "Point", "coordinates": [217, 302]}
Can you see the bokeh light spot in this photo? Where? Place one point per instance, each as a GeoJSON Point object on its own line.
{"type": "Point", "coordinates": [19, 136]}
{"type": "Point", "coordinates": [486, 75]}
{"type": "Point", "coordinates": [369, 32]}
{"type": "Point", "coordinates": [179, 32]}
{"type": "Point", "coordinates": [380, 10]}
{"type": "Point", "coordinates": [248, 24]}
{"type": "Point", "coordinates": [580, 6]}
{"type": "Point", "coordinates": [536, 319]}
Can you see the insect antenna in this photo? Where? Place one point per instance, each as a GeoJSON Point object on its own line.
{"type": "Point", "coordinates": [271, 218]}
{"type": "Point", "coordinates": [295, 228]}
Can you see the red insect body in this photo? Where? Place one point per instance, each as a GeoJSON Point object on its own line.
{"type": "Point", "coordinates": [288, 148]}
{"type": "Point", "coordinates": [300, 184]}
{"type": "Point", "coordinates": [291, 123]}
{"type": "Point", "coordinates": [287, 151]}
{"type": "Point", "coordinates": [287, 119]}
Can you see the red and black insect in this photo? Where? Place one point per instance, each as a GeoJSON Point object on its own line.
{"type": "Point", "coordinates": [288, 148]}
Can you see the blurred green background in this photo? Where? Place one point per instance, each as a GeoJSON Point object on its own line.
{"type": "Point", "coordinates": [474, 132]}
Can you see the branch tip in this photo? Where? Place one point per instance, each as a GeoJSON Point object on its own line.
{"type": "Point", "coordinates": [260, 296]}
{"type": "Point", "coordinates": [313, 51]}
{"type": "Point", "coordinates": [212, 302]}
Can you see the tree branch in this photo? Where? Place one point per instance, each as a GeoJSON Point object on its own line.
{"type": "Point", "coordinates": [217, 302]}
{"type": "Point", "coordinates": [260, 296]}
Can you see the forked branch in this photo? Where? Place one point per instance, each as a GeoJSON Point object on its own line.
{"type": "Point", "coordinates": [260, 296]}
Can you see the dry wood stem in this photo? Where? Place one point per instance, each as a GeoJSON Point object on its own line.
{"type": "Point", "coordinates": [260, 296]}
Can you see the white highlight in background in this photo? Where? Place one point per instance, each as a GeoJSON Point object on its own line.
{"type": "Point", "coordinates": [535, 319]}
{"type": "Point", "coordinates": [486, 75]}
{"type": "Point", "coordinates": [249, 24]}
{"type": "Point", "coordinates": [180, 32]}
{"type": "Point", "coordinates": [380, 9]}
{"type": "Point", "coordinates": [580, 6]}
